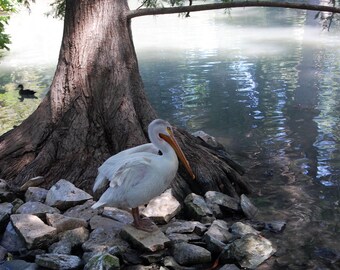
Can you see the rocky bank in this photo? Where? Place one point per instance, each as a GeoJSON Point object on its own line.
{"type": "Point", "coordinates": [58, 229]}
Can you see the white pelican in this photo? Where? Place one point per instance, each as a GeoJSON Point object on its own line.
{"type": "Point", "coordinates": [140, 173]}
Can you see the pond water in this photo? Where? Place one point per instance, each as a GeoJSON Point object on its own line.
{"type": "Point", "coordinates": [265, 82]}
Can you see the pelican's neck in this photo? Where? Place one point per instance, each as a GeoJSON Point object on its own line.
{"type": "Point", "coordinates": [162, 145]}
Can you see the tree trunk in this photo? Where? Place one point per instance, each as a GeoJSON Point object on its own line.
{"type": "Point", "coordinates": [97, 107]}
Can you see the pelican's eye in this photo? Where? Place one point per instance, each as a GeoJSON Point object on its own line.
{"type": "Point", "coordinates": [168, 129]}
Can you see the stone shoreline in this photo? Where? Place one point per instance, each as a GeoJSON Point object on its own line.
{"type": "Point", "coordinates": [58, 229]}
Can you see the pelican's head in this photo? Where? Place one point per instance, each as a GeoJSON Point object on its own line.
{"type": "Point", "coordinates": [20, 86]}
{"type": "Point", "coordinates": [163, 131]}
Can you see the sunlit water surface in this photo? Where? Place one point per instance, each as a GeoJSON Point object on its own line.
{"type": "Point", "coordinates": [265, 82]}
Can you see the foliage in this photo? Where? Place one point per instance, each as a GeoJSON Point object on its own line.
{"type": "Point", "coordinates": [6, 7]}
{"type": "Point", "coordinates": [58, 9]}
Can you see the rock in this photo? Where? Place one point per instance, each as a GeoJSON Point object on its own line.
{"type": "Point", "coordinates": [64, 195]}
{"type": "Point", "coordinates": [155, 257]}
{"type": "Point", "coordinates": [16, 204]}
{"type": "Point", "coordinates": [148, 241]}
{"type": "Point", "coordinates": [33, 182]}
{"type": "Point", "coordinates": [228, 203]}
{"type": "Point", "coordinates": [83, 211]}
{"type": "Point", "coordinates": [33, 230]}
{"type": "Point", "coordinates": [207, 138]}
{"type": "Point", "coordinates": [4, 218]}
{"type": "Point", "coordinates": [3, 253]}
{"type": "Point", "coordinates": [63, 223]}
{"type": "Point", "coordinates": [36, 208]}
{"type": "Point", "coordinates": [118, 215]}
{"type": "Point", "coordinates": [197, 208]}
{"type": "Point", "coordinates": [6, 195]}
{"type": "Point", "coordinates": [6, 208]}
{"type": "Point", "coordinates": [35, 194]}
{"type": "Point", "coordinates": [276, 226]}
{"type": "Point", "coordinates": [327, 254]}
{"type": "Point", "coordinates": [239, 229]}
{"type": "Point", "coordinates": [58, 261]}
{"type": "Point", "coordinates": [11, 240]}
{"type": "Point", "coordinates": [18, 265]}
{"type": "Point", "coordinates": [103, 261]}
{"type": "Point", "coordinates": [187, 237]}
{"type": "Point", "coordinates": [76, 236]}
{"type": "Point", "coordinates": [4, 185]}
{"type": "Point", "coordinates": [249, 251]}
{"type": "Point", "coordinates": [229, 267]}
{"type": "Point", "coordinates": [186, 227]}
{"type": "Point", "coordinates": [162, 208]}
{"type": "Point", "coordinates": [101, 240]}
{"type": "Point", "coordinates": [188, 254]}
{"type": "Point", "coordinates": [172, 264]}
{"type": "Point", "coordinates": [61, 247]}
{"type": "Point", "coordinates": [217, 236]}
{"type": "Point", "coordinates": [247, 207]}
{"type": "Point", "coordinates": [106, 223]}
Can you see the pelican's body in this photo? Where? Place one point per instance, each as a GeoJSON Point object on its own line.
{"type": "Point", "coordinates": [140, 173]}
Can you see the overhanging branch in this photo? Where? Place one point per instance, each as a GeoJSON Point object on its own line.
{"type": "Point", "coordinates": [236, 4]}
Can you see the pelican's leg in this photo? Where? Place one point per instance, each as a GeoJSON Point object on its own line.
{"type": "Point", "coordinates": [142, 224]}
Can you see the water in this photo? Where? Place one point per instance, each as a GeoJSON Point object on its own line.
{"type": "Point", "coordinates": [265, 82]}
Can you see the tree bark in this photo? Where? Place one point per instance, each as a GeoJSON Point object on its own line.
{"type": "Point", "coordinates": [97, 107]}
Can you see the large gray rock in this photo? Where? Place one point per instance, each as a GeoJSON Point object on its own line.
{"type": "Point", "coordinates": [148, 241]}
{"type": "Point", "coordinates": [106, 223]}
{"type": "Point", "coordinates": [247, 207]}
{"type": "Point", "coordinates": [118, 215]}
{"type": "Point", "coordinates": [188, 254]}
{"type": "Point", "coordinates": [63, 223]}
{"type": "Point", "coordinates": [83, 211]}
{"type": "Point", "coordinates": [36, 208]}
{"type": "Point", "coordinates": [183, 226]}
{"type": "Point", "coordinates": [103, 261]}
{"type": "Point", "coordinates": [58, 261]}
{"type": "Point", "coordinates": [35, 194]}
{"type": "Point", "coordinates": [223, 200]}
{"type": "Point", "coordinates": [64, 195]}
{"type": "Point", "coordinates": [6, 207]}
{"type": "Point", "coordinates": [61, 247]}
{"type": "Point", "coordinates": [68, 240]}
{"type": "Point", "coordinates": [76, 236]}
{"type": "Point", "coordinates": [101, 240]}
{"type": "Point", "coordinates": [217, 236]}
{"type": "Point", "coordinates": [171, 263]}
{"type": "Point", "coordinates": [18, 265]}
{"type": "Point", "coordinates": [162, 208]}
{"type": "Point", "coordinates": [11, 240]}
{"type": "Point", "coordinates": [249, 251]}
{"type": "Point", "coordinates": [184, 237]}
{"type": "Point", "coordinates": [197, 208]}
{"type": "Point", "coordinates": [34, 231]}
{"type": "Point", "coordinates": [239, 229]}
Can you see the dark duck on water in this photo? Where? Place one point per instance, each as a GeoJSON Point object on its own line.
{"type": "Point", "coordinates": [25, 92]}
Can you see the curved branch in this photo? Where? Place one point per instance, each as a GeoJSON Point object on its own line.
{"type": "Point", "coordinates": [170, 10]}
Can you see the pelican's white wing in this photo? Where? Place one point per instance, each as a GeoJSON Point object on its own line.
{"type": "Point", "coordinates": [108, 169]}
{"type": "Point", "coordinates": [134, 181]}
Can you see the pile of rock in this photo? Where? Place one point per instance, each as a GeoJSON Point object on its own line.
{"type": "Point", "coordinates": [58, 229]}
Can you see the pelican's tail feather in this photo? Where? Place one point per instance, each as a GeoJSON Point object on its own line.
{"type": "Point", "coordinates": [97, 205]}
{"type": "Point", "coordinates": [100, 182]}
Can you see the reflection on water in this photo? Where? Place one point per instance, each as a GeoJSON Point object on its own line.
{"type": "Point", "coordinates": [265, 82]}
{"type": "Point", "coordinates": [267, 85]}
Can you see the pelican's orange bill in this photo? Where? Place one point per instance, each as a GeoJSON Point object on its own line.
{"type": "Point", "coordinates": [172, 141]}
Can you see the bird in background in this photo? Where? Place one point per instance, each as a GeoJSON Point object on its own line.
{"type": "Point", "coordinates": [138, 174]}
{"type": "Point", "coordinates": [25, 92]}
